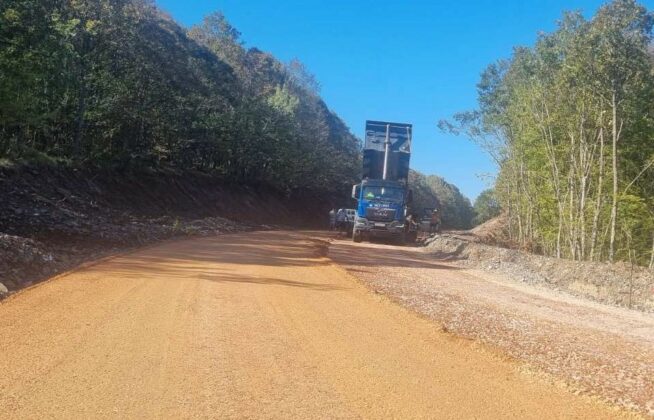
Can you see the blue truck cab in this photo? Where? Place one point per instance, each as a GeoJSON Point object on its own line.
{"type": "Point", "coordinates": [381, 210]}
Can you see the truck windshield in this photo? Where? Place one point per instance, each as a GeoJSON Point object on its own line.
{"type": "Point", "coordinates": [383, 193]}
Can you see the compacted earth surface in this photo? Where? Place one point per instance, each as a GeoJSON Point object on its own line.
{"type": "Point", "coordinates": [592, 348]}
{"type": "Point", "coordinates": [268, 324]}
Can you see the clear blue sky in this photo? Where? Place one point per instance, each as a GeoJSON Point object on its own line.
{"type": "Point", "coordinates": [405, 61]}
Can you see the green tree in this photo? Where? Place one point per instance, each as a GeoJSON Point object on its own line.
{"type": "Point", "coordinates": [119, 83]}
{"type": "Point", "coordinates": [432, 191]}
{"type": "Point", "coordinates": [486, 207]}
{"type": "Point", "coordinates": [569, 123]}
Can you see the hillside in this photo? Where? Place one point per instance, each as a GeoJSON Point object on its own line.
{"type": "Point", "coordinates": [54, 218]}
{"type": "Point", "coordinates": [120, 127]}
{"type": "Point", "coordinates": [119, 84]}
{"type": "Point", "coordinates": [433, 191]}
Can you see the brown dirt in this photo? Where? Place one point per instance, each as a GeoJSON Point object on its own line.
{"type": "Point", "coordinates": [52, 219]}
{"type": "Point", "coordinates": [596, 349]}
{"type": "Point", "coordinates": [253, 325]}
{"type": "Point", "coordinates": [616, 284]}
{"type": "Point", "coordinates": [493, 231]}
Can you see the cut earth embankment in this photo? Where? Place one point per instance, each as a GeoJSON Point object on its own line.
{"type": "Point", "coordinates": [52, 219]}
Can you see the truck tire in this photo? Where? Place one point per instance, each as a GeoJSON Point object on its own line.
{"type": "Point", "coordinates": [356, 236]}
{"type": "Point", "coordinates": [401, 239]}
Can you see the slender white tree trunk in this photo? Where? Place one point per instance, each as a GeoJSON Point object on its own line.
{"type": "Point", "coordinates": [598, 202]}
{"type": "Point", "coordinates": [614, 203]}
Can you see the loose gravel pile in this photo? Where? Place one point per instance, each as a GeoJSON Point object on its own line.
{"type": "Point", "coordinates": [615, 284]}
{"type": "Point", "coordinates": [21, 257]}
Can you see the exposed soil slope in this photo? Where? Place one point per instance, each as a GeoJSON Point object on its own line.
{"type": "Point", "coordinates": [52, 219]}
{"type": "Point", "coordinates": [616, 284]}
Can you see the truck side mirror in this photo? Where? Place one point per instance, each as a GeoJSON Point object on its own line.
{"type": "Point", "coordinates": [355, 191]}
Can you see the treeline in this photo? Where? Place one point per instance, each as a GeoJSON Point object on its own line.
{"type": "Point", "coordinates": [570, 123]}
{"type": "Point", "coordinates": [486, 207]}
{"type": "Point", "coordinates": [118, 83]}
{"type": "Point", "coordinates": [432, 191]}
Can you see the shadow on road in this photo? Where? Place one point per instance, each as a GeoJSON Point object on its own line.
{"type": "Point", "coordinates": [382, 255]}
{"type": "Point", "coordinates": [205, 258]}
{"type": "Point", "coordinates": [267, 281]}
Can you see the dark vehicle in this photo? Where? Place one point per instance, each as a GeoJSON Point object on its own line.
{"type": "Point", "coordinates": [425, 220]}
{"type": "Point", "coordinates": [383, 195]}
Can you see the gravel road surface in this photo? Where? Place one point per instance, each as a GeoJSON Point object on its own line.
{"type": "Point", "coordinates": [595, 349]}
{"type": "Point", "coordinates": [249, 325]}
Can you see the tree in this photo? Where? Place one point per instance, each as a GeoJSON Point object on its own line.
{"type": "Point", "coordinates": [486, 207]}
{"type": "Point", "coordinates": [433, 191]}
{"type": "Point", "coordinates": [569, 123]}
{"type": "Point", "coordinates": [117, 83]}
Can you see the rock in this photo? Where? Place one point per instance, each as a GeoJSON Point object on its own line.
{"type": "Point", "coordinates": [3, 290]}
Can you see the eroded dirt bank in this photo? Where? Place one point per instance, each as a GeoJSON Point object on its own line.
{"type": "Point", "coordinates": [250, 325]}
{"type": "Point", "coordinates": [51, 219]}
{"type": "Point", "coordinates": [619, 284]}
{"type": "Point", "coordinates": [596, 349]}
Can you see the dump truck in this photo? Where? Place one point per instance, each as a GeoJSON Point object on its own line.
{"type": "Point", "coordinates": [383, 197]}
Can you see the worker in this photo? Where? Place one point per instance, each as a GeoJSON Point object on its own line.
{"type": "Point", "coordinates": [435, 221]}
{"type": "Point", "coordinates": [332, 219]}
{"type": "Point", "coordinates": [411, 220]}
{"type": "Point", "coordinates": [341, 220]}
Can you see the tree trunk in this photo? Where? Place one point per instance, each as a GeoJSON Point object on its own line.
{"type": "Point", "coordinates": [546, 132]}
{"type": "Point", "coordinates": [614, 203]}
{"type": "Point", "coordinates": [598, 202]}
{"type": "Point", "coordinates": [79, 121]}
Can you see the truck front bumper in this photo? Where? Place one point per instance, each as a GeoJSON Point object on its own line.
{"type": "Point", "coordinates": [379, 229]}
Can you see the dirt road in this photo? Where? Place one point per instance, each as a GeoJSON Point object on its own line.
{"type": "Point", "coordinates": [255, 325]}
{"type": "Point", "coordinates": [596, 349]}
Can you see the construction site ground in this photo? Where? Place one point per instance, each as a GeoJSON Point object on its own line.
{"type": "Point", "coordinates": [594, 349]}
{"type": "Point", "coordinates": [281, 324]}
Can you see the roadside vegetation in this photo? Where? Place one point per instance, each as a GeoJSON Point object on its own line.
{"type": "Point", "coordinates": [486, 207]}
{"type": "Point", "coordinates": [117, 83]}
{"type": "Point", "coordinates": [570, 123]}
{"type": "Point", "coordinates": [432, 191]}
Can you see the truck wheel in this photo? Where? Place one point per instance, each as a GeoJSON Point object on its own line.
{"type": "Point", "coordinates": [356, 236]}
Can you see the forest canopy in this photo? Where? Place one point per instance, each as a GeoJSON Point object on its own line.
{"type": "Point", "coordinates": [118, 83]}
